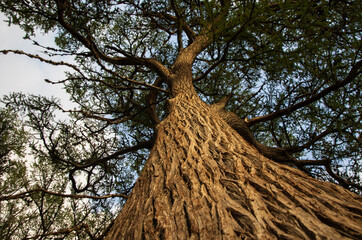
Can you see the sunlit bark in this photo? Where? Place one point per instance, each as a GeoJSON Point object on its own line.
{"type": "Point", "coordinates": [204, 181]}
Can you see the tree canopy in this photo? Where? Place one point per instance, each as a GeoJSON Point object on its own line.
{"type": "Point", "coordinates": [290, 69]}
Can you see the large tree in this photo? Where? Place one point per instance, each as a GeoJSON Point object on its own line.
{"type": "Point", "coordinates": [242, 107]}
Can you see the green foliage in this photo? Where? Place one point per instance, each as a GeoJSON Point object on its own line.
{"type": "Point", "coordinates": [270, 55]}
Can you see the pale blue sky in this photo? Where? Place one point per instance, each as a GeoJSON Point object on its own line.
{"type": "Point", "coordinates": [23, 74]}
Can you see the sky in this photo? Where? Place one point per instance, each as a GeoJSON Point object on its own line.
{"type": "Point", "coordinates": [22, 74]}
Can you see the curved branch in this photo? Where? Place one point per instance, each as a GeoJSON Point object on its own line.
{"type": "Point", "coordinates": [228, 43]}
{"type": "Point", "coordinates": [74, 183]}
{"type": "Point", "coordinates": [126, 78]}
{"type": "Point", "coordinates": [315, 139]}
{"type": "Point", "coordinates": [145, 144]}
{"type": "Point", "coordinates": [61, 63]}
{"type": "Point", "coordinates": [93, 116]}
{"type": "Point", "coordinates": [340, 180]}
{"type": "Point", "coordinates": [300, 163]}
{"type": "Point", "coordinates": [165, 16]}
{"type": "Point", "coordinates": [65, 231]}
{"type": "Point", "coordinates": [35, 56]}
{"type": "Point", "coordinates": [151, 102]}
{"type": "Point", "coordinates": [90, 44]}
{"type": "Point", "coordinates": [354, 72]}
{"type": "Point", "coordinates": [75, 196]}
{"type": "Point", "coordinates": [277, 154]}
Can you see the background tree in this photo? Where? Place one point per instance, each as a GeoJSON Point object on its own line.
{"type": "Point", "coordinates": [281, 82]}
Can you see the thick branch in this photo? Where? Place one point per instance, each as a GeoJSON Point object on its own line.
{"type": "Point", "coordinates": [126, 78]}
{"type": "Point", "coordinates": [205, 38]}
{"type": "Point", "coordinates": [187, 56]}
{"type": "Point", "coordinates": [355, 71]}
{"type": "Point", "coordinates": [281, 155]}
{"type": "Point", "coordinates": [151, 102]}
{"type": "Point", "coordinates": [276, 154]}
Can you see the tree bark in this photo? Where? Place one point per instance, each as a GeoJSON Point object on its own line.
{"type": "Point", "coordinates": [204, 181]}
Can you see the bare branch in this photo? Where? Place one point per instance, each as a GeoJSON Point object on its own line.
{"type": "Point", "coordinates": [55, 63]}
{"type": "Point", "coordinates": [112, 86]}
{"type": "Point", "coordinates": [168, 17]}
{"type": "Point", "coordinates": [321, 162]}
{"type": "Point", "coordinates": [65, 231]}
{"type": "Point", "coordinates": [78, 70]}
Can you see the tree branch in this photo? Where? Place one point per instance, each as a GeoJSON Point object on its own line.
{"type": "Point", "coordinates": [151, 102]}
{"type": "Point", "coordinates": [74, 196]}
{"type": "Point", "coordinates": [93, 116]}
{"type": "Point", "coordinates": [277, 154]}
{"type": "Point", "coordinates": [316, 138]}
{"type": "Point", "coordinates": [65, 231]}
{"type": "Point", "coordinates": [228, 43]}
{"type": "Point", "coordinates": [300, 163]}
{"type": "Point", "coordinates": [339, 179]}
{"type": "Point", "coordinates": [61, 63]}
{"type": "Point", "coordinates": [126, 78]}
{"type": "Point", "coordinates": [91, 45]}
{"type": "Point", "coordinates": [145, 144]}
{"type": "Point", "coordinates": [354, 72]}
{"type": "Point", "coordinates": [165, 16]}
{"type": "Point", "coordinates": [205, 38]}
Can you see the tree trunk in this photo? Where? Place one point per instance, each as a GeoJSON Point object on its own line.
{"type": "Point", "coordinates": [204, 181]}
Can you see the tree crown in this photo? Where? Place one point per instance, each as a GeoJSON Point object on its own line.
{"type": "Point", "coordinates": [291, 69]}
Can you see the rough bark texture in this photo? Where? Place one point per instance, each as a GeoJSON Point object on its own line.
{"type": "Point", "coordinates": [204, 181]}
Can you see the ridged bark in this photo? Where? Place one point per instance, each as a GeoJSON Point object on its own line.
{"type": "Point", "coordinates": [204, 181]}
